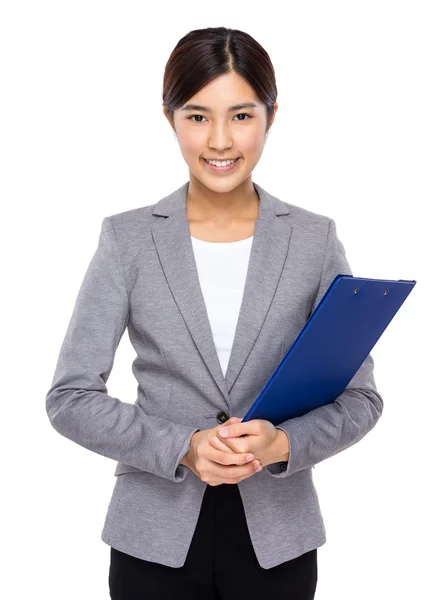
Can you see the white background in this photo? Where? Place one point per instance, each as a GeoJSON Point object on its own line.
{"type": "Point", "coordinates": [83, 136]}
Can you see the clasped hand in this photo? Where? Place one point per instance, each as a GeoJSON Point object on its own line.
{"type": "Point", "coordinates": [256, 437]}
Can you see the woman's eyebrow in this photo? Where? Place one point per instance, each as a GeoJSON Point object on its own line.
{"type": "Point", "coordinates": [230, 109]}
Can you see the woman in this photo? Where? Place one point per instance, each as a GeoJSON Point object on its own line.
{"type": "Point", "coordinates": [213, 282]}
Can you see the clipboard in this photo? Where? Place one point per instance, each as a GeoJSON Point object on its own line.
{"type": "Point", "coordinates": [334, 342]}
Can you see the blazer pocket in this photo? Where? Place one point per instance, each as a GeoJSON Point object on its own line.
{"type": "Point", "coordinates": [123, 468]}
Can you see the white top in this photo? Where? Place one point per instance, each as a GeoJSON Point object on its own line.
{"type": "Point", "coordinates": [222, 270]}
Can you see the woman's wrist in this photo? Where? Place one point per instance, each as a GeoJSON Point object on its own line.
{"type": "Point", "coordinates": [279, 449]}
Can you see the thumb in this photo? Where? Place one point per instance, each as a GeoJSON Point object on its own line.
{"type": "Point", "coordinates": [229, 422]}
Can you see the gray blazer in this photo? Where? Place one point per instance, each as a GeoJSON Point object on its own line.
{"type": "Point", "coordinates": [143, 276]}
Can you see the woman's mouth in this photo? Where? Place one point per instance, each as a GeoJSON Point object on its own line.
{"type": "Point", "coordinates": [221, 169]}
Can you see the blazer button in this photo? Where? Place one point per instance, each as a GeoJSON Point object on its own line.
{"type": "Point", "coordinates": [222, 416]}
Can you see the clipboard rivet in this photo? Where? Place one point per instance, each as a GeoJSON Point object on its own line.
{"type": "Point", "coordinates": [356, 290]}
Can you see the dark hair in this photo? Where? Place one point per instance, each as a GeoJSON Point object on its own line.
{"type": "Point", "coordinates": [202, 55]}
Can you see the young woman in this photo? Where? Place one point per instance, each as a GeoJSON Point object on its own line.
{"type": "Point", "coordinates": [214, 282]}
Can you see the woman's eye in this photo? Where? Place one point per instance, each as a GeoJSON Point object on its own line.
{"type": "Point", "coordinates": [239, 114]}
{"type": "Point", "coordinates": [244, 115]}
{"type": "Point", "coordinates": [201, 116]}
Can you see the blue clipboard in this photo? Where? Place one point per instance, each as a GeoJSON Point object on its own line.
{"type": "Point", "coordinates": [332, 345]}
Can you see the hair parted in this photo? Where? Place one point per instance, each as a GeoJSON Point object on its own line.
{"type": "Point", "coordinates": [202, 55]}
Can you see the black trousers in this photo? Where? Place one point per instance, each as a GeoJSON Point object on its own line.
{"type": "Point", "coordinates": [221, 563]}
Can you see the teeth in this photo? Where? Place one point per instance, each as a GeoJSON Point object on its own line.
{"type": "Point", "coordinates": [220, 163]}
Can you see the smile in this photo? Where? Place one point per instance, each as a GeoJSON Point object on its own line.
{"type": "Point", "coordinates": [222, 167]}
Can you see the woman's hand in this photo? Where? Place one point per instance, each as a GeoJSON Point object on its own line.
{"type": "Point", "coordinates": [217, 464]}
{"type": "Point", "coordinates": [257, 437]}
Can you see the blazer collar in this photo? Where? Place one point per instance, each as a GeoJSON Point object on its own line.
{"type": "Point", "coordinates": [270, 243]}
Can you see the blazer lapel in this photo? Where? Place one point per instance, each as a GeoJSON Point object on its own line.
{"type": "Point", "coordinates": [268, 253]}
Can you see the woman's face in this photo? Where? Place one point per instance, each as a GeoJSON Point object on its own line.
{"type": "Point", "coordinates": [216, 132]}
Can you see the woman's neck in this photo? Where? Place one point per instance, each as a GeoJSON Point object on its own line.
{"type": "Point", "coordinates": [207, 206]}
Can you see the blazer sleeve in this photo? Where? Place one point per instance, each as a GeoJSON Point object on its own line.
{"type": "Point", "coordinates": [78, 404]}
{"type": "Point", "coordinates": [327, 430]}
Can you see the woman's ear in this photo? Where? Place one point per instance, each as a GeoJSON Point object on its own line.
{"type": "Point", "coordinates": [168, 116]}
{"type": "Point", "coordinates": [272, 118]}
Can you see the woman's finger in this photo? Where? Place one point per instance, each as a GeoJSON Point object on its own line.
{"type": "Point", "coordinates": [219, 444]}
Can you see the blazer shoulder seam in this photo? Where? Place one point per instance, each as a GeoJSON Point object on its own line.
{"type": "Point", "coordinates": [324, 260]}
{"type": "Point", "coordinates": [119, 256]}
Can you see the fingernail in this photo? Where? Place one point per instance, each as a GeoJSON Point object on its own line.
{"type": "Point", "coordinates": [249, 457]}
{"type": "Point", "coordinates": [224, 432]}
